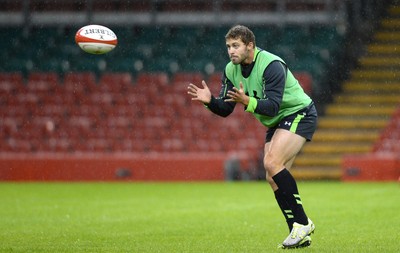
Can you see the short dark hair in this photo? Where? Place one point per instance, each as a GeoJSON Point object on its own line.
{"type": "Point", "coordinates": [241, 32]}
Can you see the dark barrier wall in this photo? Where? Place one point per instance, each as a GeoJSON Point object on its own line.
{"type": "Point", "coordinates": [181, 167]}
{"type": "Point", "coordinates": [371, 167]}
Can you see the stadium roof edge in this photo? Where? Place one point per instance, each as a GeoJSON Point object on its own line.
{"type": "Point", "coordinates": [172, 18]}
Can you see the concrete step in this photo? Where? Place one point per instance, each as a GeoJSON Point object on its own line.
{"type": "Point", "coordinates": [391, 23]}
{"type": "Point", "coordinates": [352, 123]}
{"type": "Point", "coordinates": [374, 87]}
{"type": "Point", "coordinates": [387, 36]}
{"type": "Point", "coordinates": [335, 135]}
{"type": "Point", "coordinates": [367, 75]}
{"type": "Point", "coordinates": [380, 61]}
{"type": "Point", "coordinates": [391, 49]}
{"type": "Point", "coordinates": [316, 173]}
{"type": "Point", "coordinates": [394, 10]}
{"type": "Point", "coordinates": [320, 160]}
{"type": "Point", "coordinates": [372, 99]}
{"type": "Point", "coordinates": [359, 110]}
{"type": "Point", "coordinates": [337, 148]}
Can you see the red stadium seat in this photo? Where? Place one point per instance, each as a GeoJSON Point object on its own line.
{"type": "Point", "coordinates": [11, 83]}
{"type": "Point", "coordinates": [43, 81]}
{"type": "Point", "coordinates": [80, 82]}
{"type": "Point", "coordinates": [153, 82]}
{"type": "Point", "coordinates": [186, 77]}
{"type": "Point", "coordinates": [305, 80]}
{"type": "Point", "coordinates": [214, 83]}
{"type": "Point", "coordinates": [390, 136]}
{"type": "Point", "coordinates": [215, 77]}
{"type": "Point", "coordinates": [100, 98]}
{"type": "Point", "coordinates": [60, 145]}
{"type": "Point", "coordinates": [152, 78]}
{"type": "Point", "coordinates": [115, 82]}
{"type": "Point", "coordinates": [97, 145]}
{"type": "Point", "coordinates": [10, 125]}
{"type": "Point", "coordinates": [19, 146]}
{"type": "Point", "coordinates": [181, 80]}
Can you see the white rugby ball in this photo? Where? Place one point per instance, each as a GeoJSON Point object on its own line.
{"type": "Point", "coordinates": [96, 39]}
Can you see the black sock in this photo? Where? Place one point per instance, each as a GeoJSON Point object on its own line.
{"type": "Point", "coordinates": [288, 187]}
{"type": "Point", "coordinates": [285, 208]}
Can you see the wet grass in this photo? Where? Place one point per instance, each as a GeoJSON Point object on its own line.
{"type": "Point", "coordinates": [192, 217]}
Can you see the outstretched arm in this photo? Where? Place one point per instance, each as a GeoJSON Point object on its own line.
{"type": "Point", "coordinates": [217, 105]}
{"type": "Point", "coordinates": [200, 94]}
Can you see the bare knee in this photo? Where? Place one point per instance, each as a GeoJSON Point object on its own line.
{"type": "Point", "coordinates": [272, 165]}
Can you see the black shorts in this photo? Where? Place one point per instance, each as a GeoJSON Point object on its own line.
{"type": "Point", "coordinates": [303, 123]}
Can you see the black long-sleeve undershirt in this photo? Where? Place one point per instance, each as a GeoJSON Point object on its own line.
{"type": "Point", "coordinates": [274, 78]}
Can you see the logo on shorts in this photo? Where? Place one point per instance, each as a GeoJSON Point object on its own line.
{"type": "Point", "coordinates": [287, 123]}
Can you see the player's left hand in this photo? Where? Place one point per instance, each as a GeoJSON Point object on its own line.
{"type": "Point", "coordinates": [237, 95]}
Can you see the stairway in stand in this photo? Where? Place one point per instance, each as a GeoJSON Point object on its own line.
{"type": "Point", "coordinates": [353, 122]}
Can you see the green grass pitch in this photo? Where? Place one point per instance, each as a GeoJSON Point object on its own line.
{"type": "Point", "coordinates": [193, 217]}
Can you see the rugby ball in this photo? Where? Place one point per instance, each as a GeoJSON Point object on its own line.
{"type": "Point", "coordinates": [96, 39]}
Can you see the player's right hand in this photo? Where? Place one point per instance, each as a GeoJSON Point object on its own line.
{"type": "Point", "coordinates": [200, 94]}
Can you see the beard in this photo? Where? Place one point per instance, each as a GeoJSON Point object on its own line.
{"type": "Point", "coordinates": [237, 60]}
{"type": "Point", "coordinates": [240, 59]}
